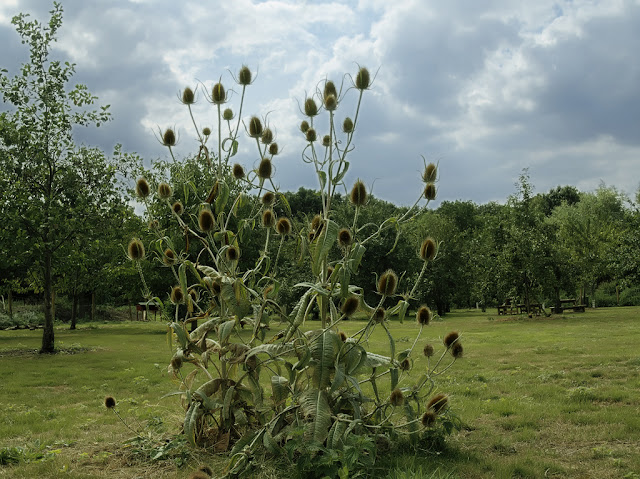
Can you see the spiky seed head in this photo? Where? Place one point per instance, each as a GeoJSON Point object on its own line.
{"type": "Point", "coordinates": [176, 363]}
{"type": "Point", "coordinates": [177, 296]}
{"type": "Point", "coordinates": [233, 253]}
{"type": "Point", "coordinates": [216, 287]}
{"type": "Point", "coordinates": [273, 149]}
{"type": "Point", "coordinates": [142, 188]}
{"type": "Point", "coordinates": [428, 350]}
{"type": "Point", "coordinates": [358, 196]}
{"type": "Point", "coordinates": [267, 136]}
{"type": "Point", "coordinates": [388, 283]}
{"type": "Point", "coordinates": [347, 125]}
{"type": "Point", "coordinates": [457, 350]}
{"type": "Point", "coordinates": [429, 418]}
{"type": "Point", "coordinates": [265, 169]}
{"type": "Point", "coordinates": [268, 198]}
{"type": "Point", "coordinates": [317, 223]}
{"type": "Point", "coordinates": [405, 365]}
{"type": "Point", "coordinates": [438, 403]}
{"type": "Point", "coordinates": [350, 306]}
{"type": "Point", "coordinates": [136, 249]}
{"type": "Point", "coordinates": [244, 76]}
{"type": "Point", "coordinates": [206, 469]}
{"type": "Point", "coordinates": [430, 174]}
{"type": "Point", "coordinates": [188, 97]}
{"type": "Point", "coordinates": [311, 135]}
{"type": "Point", "coordinates": [396, 398]}
{"type": "Point", "coordinates": [430, 191]}
{"type": "Point", "coordinates": [227, 114]}
{"type": "Point", "coordinates": [169, 137]}
{"type": "Point", "coordinates": [363, 79]}
{"type": "Point", "coordinates": [379, 314]}
{"type": "Point", "coordinates": [218, 95]}
{"type": "Point", "coordinates": [330, 270]}
{"type": "Point", "coordinates": [238, 171]}
{"type": "Point", "coordinates": [283, 226]}
{"type": "Point", "coordinates": [304, 126]}
{"type": "Point", "coordinates": [344, 237]}
{"type": "Point", "coordinates": [330, 89]}
{"type": "Point", "coordinates": [199, 475]}
{"type": "Point", "coordinates": [255, 127]}
{"type": "Point", "coordinates": [206, 220]}
{"type": "Point", "coordinates": [109, 402]}
{"type": "Point", "coordinates": [194, 294]}
{"type": "Point", "coordinates": [169, 257]}
{"type": "Point", "coordinates": [450, 338]}
{"type": "Point", "coordinates": [206, 131]}
{"type": "Point", "coordinates": [177, 208]}
{"type": "Point", "coordinates": [266, 292]}
{"type": "Point", "coordinates": [343, 336]}
{"type": "Point", "coordinates": [268, 218]}
{"type": "Point", "coordinates": [164, 191]}
{"type": "Point", "coordinates": [423, 316]}
{"type": "Point", "coordinates": [153, 224]}
{"type": "Point", "coordinates": [326, 141]}
{"type": "Point", "coordinates": [213, 194]}
{"type": "Point", "coordinates": [330, 102]}
{"type": "Point", "coordinates": [428, 249]}
{"type": "Point", "coordinates": [310, 107]}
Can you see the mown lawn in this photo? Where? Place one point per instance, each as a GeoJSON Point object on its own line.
{"type": "Point", "coordinates": [541, 397]}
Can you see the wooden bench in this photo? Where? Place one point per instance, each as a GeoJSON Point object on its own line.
{"type": "Point", "coordinates": [568, 304]}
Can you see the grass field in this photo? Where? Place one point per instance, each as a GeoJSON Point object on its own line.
{"type": "Point", "coordinates": [542, 397]}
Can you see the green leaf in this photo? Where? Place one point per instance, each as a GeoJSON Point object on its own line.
{"type": "Point", "coordinates": [182, 276]}
{"type": "Point", "coordinates": [225, 330]}
{"type": "Point", "coordinates": [280, 389]}
{"type": "Point", "coordinates": [394, 377]}
{"type": "Point", "coordinates": [321, 249]}
{"type": "Point", "coordinates": [322, 178]}
{"type": "Point", "coordinates": [315, 407]}
{"type": "Point", "coordinates": [191, 421]}
{"type": "Point", "coordinates": [222, 198]}
{"type": "Point", "coordinates": [228, 398]}
{"type": "Point", "coordinates": [323, 351]}
{"type": "Point", "coordinates": [340, 175]}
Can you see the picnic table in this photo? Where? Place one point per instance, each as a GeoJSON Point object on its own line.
{"type": "Point", "coordinates": [508, 308]}
{"type": "Point", "coordinates": [565, 304]}
{"type": "Point", "coordinates": [145, 306]}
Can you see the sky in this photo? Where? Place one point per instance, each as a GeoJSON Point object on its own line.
{"type": "Point", "coordinates": [483, 88]}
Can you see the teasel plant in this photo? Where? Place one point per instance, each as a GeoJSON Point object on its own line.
{"type": "Point", "coordinates": [249, 372]}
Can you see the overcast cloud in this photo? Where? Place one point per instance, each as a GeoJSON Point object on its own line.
{"type": "Point", "coordinates": [485, 88]}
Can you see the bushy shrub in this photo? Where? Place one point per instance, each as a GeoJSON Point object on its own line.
{"type": "Point", "coordinates": [251, 386]}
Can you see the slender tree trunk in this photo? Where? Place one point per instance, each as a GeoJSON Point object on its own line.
{"type": "Point", "coordinates": [48, 340]}
{"type": "Point", "coordinates": [93, 306]}
{"type": "Point", "coordinates": [74, 310]}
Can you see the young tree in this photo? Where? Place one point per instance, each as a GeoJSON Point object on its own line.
{"type": "Point", "coordinates": [54, 187]}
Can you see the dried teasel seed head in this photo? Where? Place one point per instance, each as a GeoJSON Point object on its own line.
{"type": "Point", "coordinates": [188, 97]}
{"type": "Point", "coordinates": [265, 169]}
{"type": "Point", "coordinates": [329, 89]}
{"type": "Point", "coordinates": [199, 475]}
{"type": "Point", "coordinates": [177, 208]}
{"type": "Point", "coordinates": [232, 253]}
{"type": "Point", "coordinates": [268, 198]}
{"type": "Point", "coordinates": [363, 79]}
{"type": "Point", "coordinates": [176, 363]}
{"type": "Point", "coordinates": [153, 224]}
{"type": "Point", "coordinates": [358, 196]}
{"type": "Point", "coordinates": [347, 125]}
{"type": "Point", "coordinates": [326, 141]}
{"type": "Point", "coordinates": [267, 292]}
{"type": "Point", "coordinates": [238, 171]}
{"type": "Point", "coordinates": [169, 257]}
{"type": "Point", "coordinates": [317, 223]}
{"type": "Point", "coordinates": [177, 296]}
{"type": "Point", "coordinates": [142, 188]}
{"type": "Point", "coordinates": [457, 351]}
{"type": "Point", "coordinates": [405, 365]}
{"type": "Point", "coordinates": [169, 137]}
{"type": "Point", "coordinates": [136, 249]}
{"type": "Point", "coordinates": [388, 283]}
{"type": "Point", "coordinates": [430, 191]}
{"type": "Point", "coordinates": [310, 107]}
{"type": "Point", "coordinates": [350, 306]}
{"type": "Point", "coordinates": [213, 194]}
{"type": "Point", "coordinates": [330, 270]}
{"type": "Point", "coordinates": [164, 191]}
{"type": "Point", "coordinates": [396, 398]}
{"type": "Point", "coordinates": [206, 131]}
{"type": "Point", "coordinates": [206, 220]}
{"type": "Point", "coordinates": [430, 174]}
{"type": "Point", "coordinates": [423, 315]}
{"type": "Point", "coordinates": [227, 114]}
{"type": "Point", "coordinates": [311, 135]}
{"type": "Point", "coordinates": [216, 287]}
{"type": "Point", "coordinates": [218, 95]}
{"type": "Point", "coordinates": [109, 402]}
{"type": "Point", "coordinates": [344, 237]}
{"type": "Point", "coordinates": [343, 336]}
{"type": "Point", "coordinates": [428, 418]}
{"type": "Point", "coordinates": [428, 350]}
{"type": "Point", "coordinates": [255, 127]}
{"type": "Point", "coordinates": [206, 469]}
{"type": "Point", "coordinates": [268, 218]}
{"type": "Point", "coordinates": [450, 338]}
{"type": "Point", "coordinates": [428, 249]}
{"type": "Point", "coordinates": [273, 149]}
{"type": "Point", "coordinates": [283, 226]}
{"type": "Point", "coordinates": [331, 102]}
{"type": "Point", "coordinates": [438, 403]}
{"type": "Point", "coordinates": [267, 136]}
{"type": "Point", "coordinates": [244, 76]}
{"type": "Point", "coordinates": [379, 314]}
{"type": "Point", "coordinates": [304, 126]}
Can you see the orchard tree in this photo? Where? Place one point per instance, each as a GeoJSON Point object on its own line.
{"type": "Point", "coordinates": [54, 187]}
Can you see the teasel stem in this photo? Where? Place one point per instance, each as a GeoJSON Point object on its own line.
{"type": "Point", "coordinates": [220, 142]}
{"type": "Point", "coordinates": [195, 125]}
{"type": "Point", "coordinates": [235, 134]}
{"type": "Point", "coordinates": [330, 186]}
{"type": "Point", "coordinates": [275, 264]}
{"type": "Point", "coordinates": [145, 289]}
{"type": "Point", "coordinates": [350, 135]}
{"type": "Point", "coordinates": [137, 433]}
{"type": "Point", "coordinates": [415, 285]}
